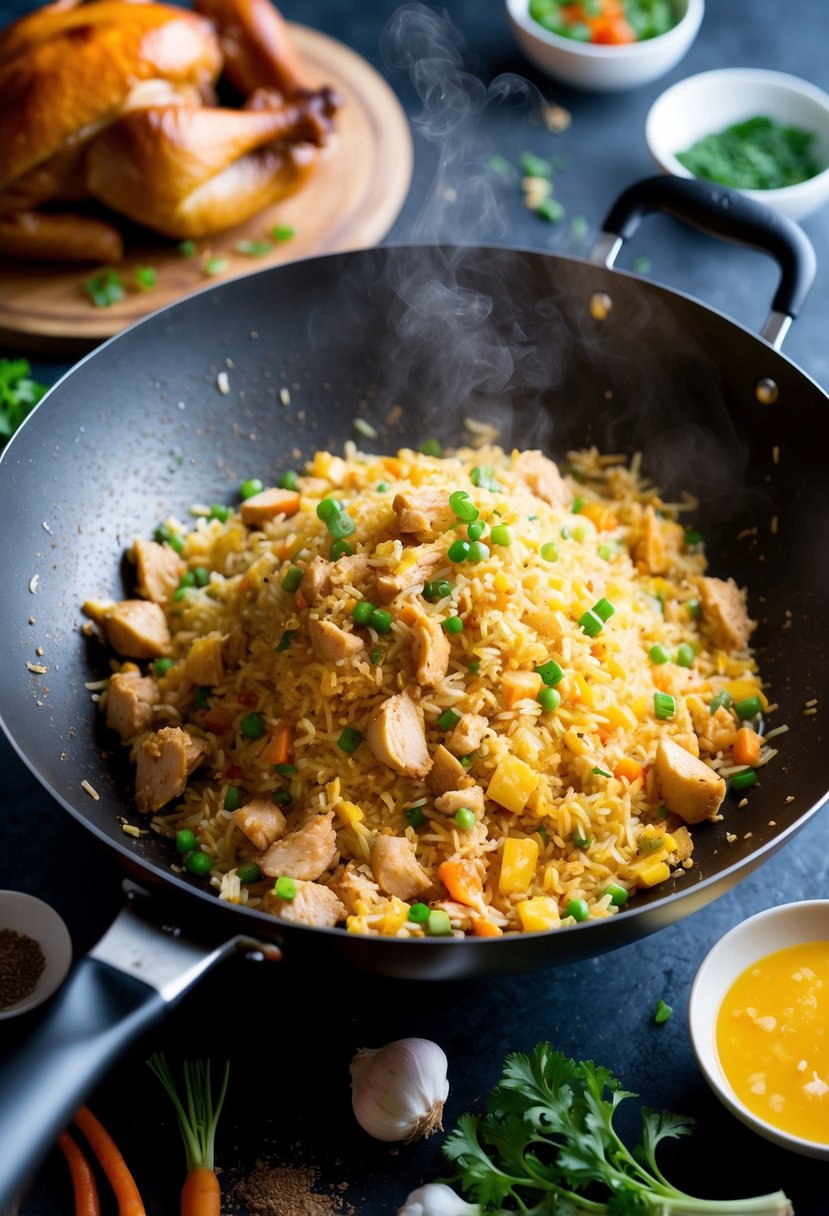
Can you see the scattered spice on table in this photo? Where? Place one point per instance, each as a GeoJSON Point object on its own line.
{"type": "Point", "coordinates": [277, 1190]}
{"type": "Point", "coordinates": [21, 966]}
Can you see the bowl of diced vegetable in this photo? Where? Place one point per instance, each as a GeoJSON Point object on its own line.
{"type": "Point", "coordinates": [763, 133]}
{"type": "Point", "coordinates": [605, 45]}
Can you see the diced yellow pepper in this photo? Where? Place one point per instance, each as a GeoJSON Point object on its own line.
{"type": "Point", "coordinates": [395, 917]}
{"type": "Point", "coordinates": [519, 859]}
{"type": "Point", "coordinates": [620, 717]}
{"type": "Point", "coordinates": [539, 914]}
{"type": "Point", "coordinates": [741, 689]}
{"type": "Point", "coordinates": [348, 813]}
{"type": "Point", "coordinates": [576, 742]}
{"type": "Point", "coordinates": [512, 783]}
{"type": "Point", "coordinates": [356, 924]}
{"type": "Point", "coordinates": [649, 871]}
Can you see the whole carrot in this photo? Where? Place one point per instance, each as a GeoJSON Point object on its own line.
{"type": "Point", "coordinates": [83, 1180]}
{"type": "Point", "coordinates": [112, 1163]}
{"type": "Point", "coordinates": [198, 1116]}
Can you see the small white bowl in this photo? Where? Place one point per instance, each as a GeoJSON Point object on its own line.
{"type": "Point", "coordinates": [36, 919]}
{"type": "Point", "coordinates": [710, 102]}
{"type": "Point", "coordinates": [605, 69]}
{"type": "Point", "coordinates": [753, 939]}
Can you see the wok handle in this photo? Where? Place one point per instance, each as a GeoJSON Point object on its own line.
{"type": "Point", "coordinates": [724, 213]}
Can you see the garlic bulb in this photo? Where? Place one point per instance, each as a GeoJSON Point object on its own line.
{"type": "Point", "coordinates": [398, 1091]}
{"type": "Point", "coordinates": [435, 1199]}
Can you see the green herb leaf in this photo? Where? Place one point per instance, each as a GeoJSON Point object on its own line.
{"type": "Point", "coordinates": [253, 249]}
{"type": "Point", "coordinates": [105, 288]}
{"type": "Point", "coordinates": [282, 233]}
{"type": "Point", "coordinates": [145, 277]}
{"type": "Point", "coordinates": [19, 394]}
{"type": "Point", "coordinates": [187, 249]}
{"type": "Point", "coordinates": [214, 265]}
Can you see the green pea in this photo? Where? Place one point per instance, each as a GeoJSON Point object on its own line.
{"type": "Point", "coordinates": [578, 909]}
{"type": "Point", "coordinates": [248, 871]}
{"type": "Point", "coordinates": [233, 798]}
{"type": "Point", "coordinates": [199, 863]}
{"type": "Point", "coordinates": [185, 840]}
{"type": "Point", "coordinates": [253, 726]}
{"type": "Point", "coordinates": [250, 487]}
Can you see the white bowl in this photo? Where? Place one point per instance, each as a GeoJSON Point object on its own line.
{"type": "Point", "coordinates": [36, 919]}
{"type": "Point", "coordinates": [605, 69]}
{"type": "Point", "coordinates": [707, 103]}
{"type": "Point", "coordinates": [765, 933]}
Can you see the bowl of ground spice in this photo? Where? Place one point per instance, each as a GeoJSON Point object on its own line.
{"type": "Point", "coordinates": [35, 952]}
{"type": "Point", "coordinates": [763, 133]}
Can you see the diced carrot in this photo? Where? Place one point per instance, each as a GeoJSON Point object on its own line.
{"type": "Point", "coordinates": [627, 768]}
{"type": "Point", "coordinates": [519, 686]}
{"type": "Point", "coordinates": [393, 465]}
{"type": "Point", "coordinates": [300, 601]}
{"type": "Point", "coordinates": [279, 748]}
{"type": "Point", "coordinates": [599, 514]}
{"type": "Point", "coordinates": [609, 31]}
{"type": "Point", "coordinates": [746, 746]}
{"type": "Point", "coordinates": [462, 881]}
{"type": "Point", "coordinates": [485, 928]}
{"type": "Point", "coordinates": [218, 720]}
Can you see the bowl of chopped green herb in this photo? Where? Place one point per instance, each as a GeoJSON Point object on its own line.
{"type": "Point", "coordinates": [761, 132]}
{"type": "Point", "coordinates": [605, 45]}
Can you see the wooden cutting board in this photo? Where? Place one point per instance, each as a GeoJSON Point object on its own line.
{"type": "Point", "coordinates": [351, 202]}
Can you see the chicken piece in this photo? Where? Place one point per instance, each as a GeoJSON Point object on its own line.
{"type": "Point", "coordinates": [467, 734]}
{"type": "Point", "coordinates": [316, 581]}
{"type": "Point", "coordinates": [431, 649]}
{"type": "Point", "coordinates": [356, 891]}
{"type": "Point", "coordinates": [453, 800]}
{"type": "Point", "coordinates": [396, 737]}
{"type": "Point", "coordinates": [648, 551]}
{"type": "Point", "coordinates": [259, 508]}
{"type": "Point", "coordinates": [137, 629]}
{"type": "Point", "coordinates": [256, 45]}
{"type": "Point", "coordinates": [313, 904]}
{"type": "Point", "coordinates": [423, 513]}
{"type": "Point", "coordinates": [129, 703]}
{"type": "Point", "coordinates": [306, 853]}
{"type": "Point", "coordinates": [715, 732]}
{"type": "Point", "coordinates": [396, 869]}
{"type": "Point", "coordinates": [447, 773]}
{"type": "Point", "coordinates": [330, 643]}
{"type": "Point", "coordinates": [417, 565]}
{"type": "Point", "coordinates": [205, 662]}
{"type": "Point", "coordinates": [541, 475]}
{"type": "Point", "coordinates": [686, 785]}
{"type": "Point", "coordinates": [164, 761]}
{"type": "Point", "coordinates": [159, 569]}
{"type": "Point", "coordinates": [261, 821]}
{"type": "Point", "coordinates": [725, 621]}
{"type": "Point", "coordinates": [351, 570]}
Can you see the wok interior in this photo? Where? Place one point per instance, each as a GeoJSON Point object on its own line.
{"type": "Point", "coordinates": [415, 341]}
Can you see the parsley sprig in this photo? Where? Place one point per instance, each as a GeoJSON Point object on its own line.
{"type": "Point", "coordinates": [19, 394]}
{"type": "Point", "coordinates": [547, 1146]}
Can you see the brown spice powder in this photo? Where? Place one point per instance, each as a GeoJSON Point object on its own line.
{"type": "Point", "coordinates": [287, 1191]}
{"type": "Point", "coordinates": [21, 965]}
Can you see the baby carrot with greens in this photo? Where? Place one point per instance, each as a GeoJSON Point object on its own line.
{"type": "Point", "coordinates": [198, 1116]}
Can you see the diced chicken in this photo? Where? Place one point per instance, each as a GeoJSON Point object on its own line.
{"type": "Point", "coordinates": [316, 581]}
{"type": "Point", "coordinates": [686, 785]}
{"type": "Point", "coordinates": [306, 853]}
{"type": "Point", "coordinates": [164, 761]}
{"type": "Point", "coordinates": [205, 660]}
{"type": "Point", "coordinates": [541, 475]}
{"type": "Point", "coordinates": [715, 732]}
{"type": "Point", "coordinates": [234, 648]}
{"type": "Point", "coordinates": [649, 552]}
{"type": "Point", "coordinates": [330, 643]}
{"type": "Point", "coordinates": [453, 800]}
{"type": "Point", "coordinates": [259, 508]}
{"type": "Point", "coordinates": [725, 620]}
{"type": "Point", "coordinates": [447, 773]}
{"type": "Point", "coordinates": [137, 629]}
{"type": "Point", "coordinates": [352, 568]}
{"type": "Point", "coordinates": [159, 569]}
{"type": "Point", "coordinates": [417, 565]}
{"type": "Point", "coordinates": [430, 650]}
{"type": "Point", "coordinates": [396, 737]}
{"type": "Point", "coordinates": [423, 513]}
{"type": "Point", "coordinates": [396, 868]}
{"type": "Point", "coordinates": [261, 821]}
{"type": "Point", "coordinates": [684, 844]}
{"type": "Point", "coordinates": [467, 734]}
{"type": "Point", "coordinates": [129, 703]}
{"type": "Point", "coordinates": [313, 904]}
{"type": "Point", "coordinates": [356, 891]}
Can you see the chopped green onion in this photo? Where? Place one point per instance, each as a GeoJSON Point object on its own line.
{"type": "Point", "coordinates": [164, 536]}
{"type": "Point", "coordinates": [662, 1012]}
{"type": "Point", "coordinates": [285, 888]}
{"type": "Point", "coordinates": [452, 624]}
{"type": "Point", "coordinates": [550, 673]}
{"type": "Point", "coordinates": [658, 654]}
{"type": "Point", "coordinates": [185, 840]}
{"type": "Point", "coordinates": [448, 719]}
{"type": "Point", "coordinates": [292, 579]}
{"type": "Point", "coordinates": [349, 740]}
{"type": "Point", "coordinates": [750, 707]}
{"type": "Point", "coordinates": [465, 818]}
{"type": "Point", "coordinates": [463, 506]}
{"type": "Point", "coordinates": [363, 427]}
{"type": "Point", "coordinates": [233, 798]}
{"type": "Point", "coordinates": [341, 525]}
{"type": "Point", "coordinates": [285, 641]}
{"type": "Point", "coordinates": [601, 772]}
{"type": "Point", "coordinates": [694, 608]}
{"type": "Point", "coordinates": [664, 705]}
{"type": "Point", "coordinates": [438, 924]}
{"type": "Point", "coordinates": [431, 447]}
{"type": "Point", "coordinates": [146, 277]}
{"type": "Point", "coordinates": [286, 770]}
{"type": "Point", "coordinates": [549, 552]}
{"type": "Point", "coordinates": [578, 909]}
{"type": "Point", "coordinates": [328, 508]}
{"type": "Point", "coordinates": [549, 699]}
{"type": "Point", "coordinates": [468, 761]}
{"type": "Point", "coordinates": [744, 780]}
{"type": "Point", "coordinates": [202, 697]}
{"type": "Point", "coordinates": [214, 265]}
{"type": "Point", "coordinates": [550, 209]}
{"type": "Point", "coordinates": [248, 871]}
{"type": "Point", "coordinates": [361, 612]}
{"type": "Point", "coordinates": [535, 166]}
{"type": "Point", "coordinates": [187, 249]}
{"type": "Point", "coordinates": [198, 863]}
{"type": "Point", "coordinates": [289, 480]}
{"type": "Point", "coordinates": [162, 666]}
{"type": "Point", "coordinates": [282, 233]}
{"type": "Point", "coordinates": [253, 249]}
{"type": "Point", "coordinates": [476, 530]}
{"type": "Point", "coordinates": [104, 289]}
{"type": "Point", "coordinates": [576, 505]}
{"type": "Point", "coordinates": [253, 726]}
{"type": "Point", "coordinates": [188, 579]}
{"type": "Point", "coordinates": [723, 698]}
{"type": "Point", "coordinates": [604, 609]}
{"type": "Point", "coordinates": [437, 590]}
{"type": "Point", "coordinates": [179, 594]}
{"type": "Point", "coordinates": [685, 655]}
{"type": "Point", "coordinates": [693, 536]}
{"type": "Point", "coordinates": [582, 842]}
{"type": "Point", "coordinates": [591, 624]}
{"type": "Point", "coordinates": [419, 913]}
{"type": "Point", "coordinates": [219, 511]}
{"type": "Point", "coordinates": [565, 533]}
{"type": "Point", "coordinates": [250, 487]}
{"type": "Point", "coordinates": [458, 551]}
{"type": "Point", "coordinates": [618, 895]}
{"type": "Point", "coordinates": [502, 535]}
{"type": "Point", "coordinates": [375, 657]}
{"type": "Point", "coordinates": [380, 620]}
{"type": "Point", "coordinates": [202, 576]}
{"type": "Point", "coordinates": [339, 548]}
{"type": "Point", "coordinates": [414, 817]}
{"type": "Point", "coordinates": [478, 551]}
{"type": "Point", "coordinates": [483, 476]}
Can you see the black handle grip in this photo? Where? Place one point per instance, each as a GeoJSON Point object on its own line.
{"type": "Point", "coordinates": [727, 214]}
{"type": "Point", "coordinates": [92, 1020]}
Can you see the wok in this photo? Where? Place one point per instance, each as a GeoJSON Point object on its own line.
{"type": "Point", "coordinates": [557, 353]}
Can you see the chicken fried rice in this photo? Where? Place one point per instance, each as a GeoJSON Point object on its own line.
{"type": "Point", "coordinates": [426, 695]}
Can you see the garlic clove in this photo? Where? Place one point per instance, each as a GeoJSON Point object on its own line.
{"type": "Point", "coordinates": [436, 1199]}
{"type": "Point", "coordinates": [398, 1091]}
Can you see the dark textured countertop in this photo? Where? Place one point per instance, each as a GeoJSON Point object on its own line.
{"type": "Point", "coordinates": [290, 1034]}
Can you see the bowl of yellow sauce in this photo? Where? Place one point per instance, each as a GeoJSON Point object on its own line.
{"type": "Point", "coordinates": [759, 1023]}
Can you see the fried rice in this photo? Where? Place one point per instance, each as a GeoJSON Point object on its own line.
{"type": "Point", "coordinates": [435, 694]}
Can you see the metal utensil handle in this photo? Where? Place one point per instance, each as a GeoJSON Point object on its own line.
{"type": "Point", "coordinates": [729, 215]}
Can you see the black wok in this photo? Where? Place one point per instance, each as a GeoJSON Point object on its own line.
{"type": "Point", "coordinates": [557, 353]}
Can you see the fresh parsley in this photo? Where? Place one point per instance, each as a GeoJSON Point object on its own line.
{"type": "Point", "coordinates": [547, 1145]}
{"type": "Point", "coordinates": [19, 394]}
{"type": "Point", "coordinates": [105, 288]}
